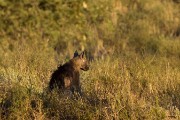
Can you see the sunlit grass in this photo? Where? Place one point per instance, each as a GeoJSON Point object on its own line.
{"type": "Point", "coordinates": [114, 88]}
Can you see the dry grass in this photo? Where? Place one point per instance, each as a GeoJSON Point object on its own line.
{"type": "Point", "coordinates": [114, 88]}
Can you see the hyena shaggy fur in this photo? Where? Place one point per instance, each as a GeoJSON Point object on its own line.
{"type": "Point", "coordinates": [67, 76]}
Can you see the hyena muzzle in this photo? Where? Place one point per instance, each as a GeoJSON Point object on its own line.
{"type": "Point", "coordinates": [67, 76]}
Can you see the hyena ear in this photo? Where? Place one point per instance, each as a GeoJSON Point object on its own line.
{"type": "Point", "coordinates": [75, 54]}
{"type": "Point", "coordinates": [82, 55]}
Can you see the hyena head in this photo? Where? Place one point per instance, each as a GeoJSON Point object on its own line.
{"type": "Point", "coordinates": [80, 61]}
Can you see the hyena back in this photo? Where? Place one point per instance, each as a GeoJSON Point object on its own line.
{"type": "Point", "coordinates": [67, 76]}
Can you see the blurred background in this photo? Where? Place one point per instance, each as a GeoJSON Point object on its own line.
{"type": "Point", "coordinates": [59, 27]}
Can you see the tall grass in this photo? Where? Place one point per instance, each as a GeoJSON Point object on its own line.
{"type": "Point", "coordinates": [138, 89]}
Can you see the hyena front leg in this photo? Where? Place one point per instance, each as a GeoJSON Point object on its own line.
{"type": "Point", "coordinates": [76, 89]}
{"type": "Point", "coordinates": [79, 90]}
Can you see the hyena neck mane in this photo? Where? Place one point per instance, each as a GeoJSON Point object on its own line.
{"type": "Point", "coordinates": [70, 66]}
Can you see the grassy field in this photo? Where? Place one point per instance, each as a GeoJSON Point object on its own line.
{"type": "Point", "coordinates": [133, 46]}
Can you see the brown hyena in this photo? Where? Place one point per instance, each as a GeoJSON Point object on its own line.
{"type": "Point", "coordinates": [66, 77]}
